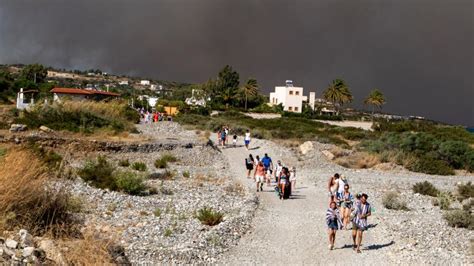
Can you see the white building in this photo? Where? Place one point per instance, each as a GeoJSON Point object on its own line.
{"type": "Point", "coordinates": [291, 97]}
{"type": "Point", "coordinates": [123, 82]}
{"type": "Point", "coordinates": [22, 101]}
{"type": "Point", "coordinates": [144, 82]}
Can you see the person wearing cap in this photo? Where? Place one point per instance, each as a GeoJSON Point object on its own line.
{"type": "Point", "coordinates": [293, 178]}
{"type": "Point", "coordinates": [359, 223]}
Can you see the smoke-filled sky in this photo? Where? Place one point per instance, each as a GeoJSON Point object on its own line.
{"type": "Point", "coordinates": [418, 52]}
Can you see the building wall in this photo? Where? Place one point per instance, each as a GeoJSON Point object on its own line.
{"type": "Point", "coordinates": [291, 97]}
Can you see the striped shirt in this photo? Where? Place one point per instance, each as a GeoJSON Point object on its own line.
{"type": "Point", "coordinates": [361, 209]}
{"type": "Point", "coordinates": [333, 214]}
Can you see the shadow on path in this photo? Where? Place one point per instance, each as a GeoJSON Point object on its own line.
{"type": "Point", "coordinates": [379, 246]}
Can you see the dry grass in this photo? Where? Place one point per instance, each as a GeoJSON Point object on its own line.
{"type": "Point", "coordinates": [235, 188]}
{"type": "Point", "coordinates": [90, 250]}
{"type": "Point", "coordinates": [104, 109]}
{"type": "Point", "coordinates": [27, 201]}
{"type": "Point", "coordinates": [358, 160]}
{"type": "Point", "coordinates": [339, 152]}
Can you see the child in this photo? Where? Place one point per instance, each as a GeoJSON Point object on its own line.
{"type": "Point", "coordinates": [234, 140]}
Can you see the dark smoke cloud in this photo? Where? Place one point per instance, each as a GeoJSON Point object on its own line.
{"type": "Point", "coordinates": [420, 53]}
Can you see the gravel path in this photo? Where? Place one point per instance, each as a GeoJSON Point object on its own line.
{"type": "Point", "coordinates": [294, 231]}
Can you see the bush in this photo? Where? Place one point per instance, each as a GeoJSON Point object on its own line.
{"type": "Point", "coordinates": [391, 201]}
{"type": "Point", "coordinates": [28, 200]}
{"type": "Point", "coordinates": [99, 173]}
{"type": "Point", "coordinates": [162, 162]}
{"type": "Point", "coordinates": [209, 217]}
{"type": "Point", "coordinates": [124, 163]}
{"type": "Point", "coordinates": [465, 191]}
{"type": "Point", "coordinates": [130, 183]}
{"type": "Point", "coordinates": [425, 188]}
{"type": "Point", "coordinates": [157, 212]}
{"type": "Point", "coordinates": [139, 166]}
{"type": "Point", "coordinates": [166, 175]}
{"type": "Point", "coordinates": [3, 151]}
{"type": "Point", "coordinates": [460, 219]}
{"type": "Point", "coordinates": [430, 165]}
{"type": "Point", "coordinates": [186, 174]}
{"type": "Point", "coordinates": [444, 200]}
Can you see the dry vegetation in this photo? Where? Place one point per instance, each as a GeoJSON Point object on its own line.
{"type": "Point", "coordinates": [358, 160]}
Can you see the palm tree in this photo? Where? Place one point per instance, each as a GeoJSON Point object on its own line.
{"type": "Point", "coordinates": [249, 89]}
{"type": "Point", "coordinates": [376, 99]}
{"type": "Point", "coordinates": [338, 93]}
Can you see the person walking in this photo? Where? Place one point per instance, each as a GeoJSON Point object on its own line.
{"type": "Point", "coordinates": [219, 136]}
{"type": "Point", "coordinates": [259, 175]}
{"type": "Point", "coordinates": [247, 139]}
{"type": "Point", "coordinates": [282, 181]}
{"type": "Point", "coordinates": [345, 199]}
{"type": "Point", "coordinates": [334, 223]}
{"type": "Point", "coordinates": [268, 164]}
{"type": "Point", "coordinates": [332, 187]}
{"type": "Point", "coordinates": [223, 136]}
{"type": "Point", "coordinates": [340, 186]}
{"type": "Point", "coordinates": [277, 170]}
{"type": "Point", "coordinates": [234, 140]}
{"type": "Point", "coordinates": [359, 224]}
{"type": "Point", "coordinates": [293, 178]}
{"type": "Point", "coordinates": [249, 162]}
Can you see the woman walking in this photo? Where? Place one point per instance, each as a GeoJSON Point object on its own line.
{"type": "Point", "coordinates": [283, 179]}
{"type": "Point", "coordinates": [333, 221]}
{"type": "Point", "coordinates": [345, 200]}
{"type": "Point", "coordinates": [359, 224]}
{"type": "Point", "coordinates": [249, 164]}
{"type": "Point", "coordinates": [333, 184]}
{"type": "Point", "coordinates": [293, 178]}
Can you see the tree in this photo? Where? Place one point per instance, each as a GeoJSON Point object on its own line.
{"type": "Point", "coordinates": [249, 89]}
{"type": "Point", "coordinates": [376, 99]}
{"type": "Point", "coordinates": [228, 84]}
{"type": "Point", "coordinates": [338, 93]}
{"type": "Point", "coordinates": [36, 73]}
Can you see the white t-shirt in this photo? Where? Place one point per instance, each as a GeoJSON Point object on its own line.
{"type": "Point", "coordinates": [247, 136]}
{"type": "Point", "coordinates": [278, 169]}
{"type": "Point", "coordinates": [292, 176]}
{"type": "Point", "coordinates": [340, 189]}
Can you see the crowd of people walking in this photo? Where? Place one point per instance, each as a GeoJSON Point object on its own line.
{"type": "Point", "coordinates": [344, 208]}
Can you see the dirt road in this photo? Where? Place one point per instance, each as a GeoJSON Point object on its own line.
{"type": "Point", "coordinates": [293, 231]}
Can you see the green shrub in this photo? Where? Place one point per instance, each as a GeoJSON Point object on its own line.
{"type": "Point", "coordinates": [3, 151]}
{"type": "Point", "coordinates": [454, 152]}
{"type": "Point", "coordinates": [160, 163]}
{"type": "Point", "coordinates": [429, 165]}
{"type": "Point", "coordinates": [124, 163]}
{"type": "Point", "coordinates": [444, 200]}
{"type": "Point", "coordinates": [130, 183]}
{"type": "Point", "coordinates": [468, 205]}
{"type": "Point", "coordinates": [392, 201]}
{"type": "Point", "coordinates": [157, 212]}
{"type": "Point", "coordinates": [465, 191]}
{"type": "Point", "coordinates": [163, 161]}
{"type": "Point", "coordinates": [99, 173]}
{"type": "Point", "coordinates": [166, 175]}
{"type": "Point", "coordinates": [186, 174]}
{"type": "Point", "coordinates": [139, 166]}
{"type": "Point", "coordinates": [425, 188]}
{"type": "Point", "coordinates": [460, 219]}
{"type": "Point", "coordinates": [209, 217]}
{"type": "Point", "coordinates": [168, 232]}
{"type": "Point", "coordinates": [469, 161]}
{"type": "Point", "coordinates": [50, 157]}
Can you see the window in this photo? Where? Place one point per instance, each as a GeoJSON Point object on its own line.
{"type": "Point", "coordinates": [297, 93]}
{"type": "Point", "coordinates": [290, 108]}
{"type": "Point", "coordinates": [296, 109]}
{"type": "Point", "coordinates": [291, 92]}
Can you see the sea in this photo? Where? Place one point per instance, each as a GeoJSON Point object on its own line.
{"type": "Point", "coordinates": [470, 129]}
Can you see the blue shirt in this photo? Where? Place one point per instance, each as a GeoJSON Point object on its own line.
{"type": "Point", "coordinates": [266, 161]}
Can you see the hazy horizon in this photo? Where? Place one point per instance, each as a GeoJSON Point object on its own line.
{"type": "Point", "coordinates": [419, 53]}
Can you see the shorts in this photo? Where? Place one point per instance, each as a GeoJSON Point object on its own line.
{"type": "Point", "coordinates": [360, 228]}
{"type": "Point", "coordinates": [258, 178]}
{"type": "Point", "coordinates": [283, 181]}
{"type": "Point", "coordinates": [249, 166]}
{"type": "Point", "coordinates": [333, 225]}
{"type": "Point", "coordinates": [247, 142]}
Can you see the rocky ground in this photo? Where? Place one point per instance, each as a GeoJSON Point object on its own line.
{"type": "Point", "coordinates": [258, 228]}
{"type": "Point", "coordinates": [417, 236]}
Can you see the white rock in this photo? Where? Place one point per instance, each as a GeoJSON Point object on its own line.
{"type": "Point", "coordinates": [45, 129]}
{"type": "Point", "coordinates": [306, 147]}
{"type": "Point", "coordinates": [328, 154]}
{"type": "Point", "coordinates": [10, 243]}
{"type": "Point", "coordinates": [28, 251]}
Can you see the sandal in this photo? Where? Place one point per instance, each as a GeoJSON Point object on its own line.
{"type": "Point", "coordinates": [358, 251]}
